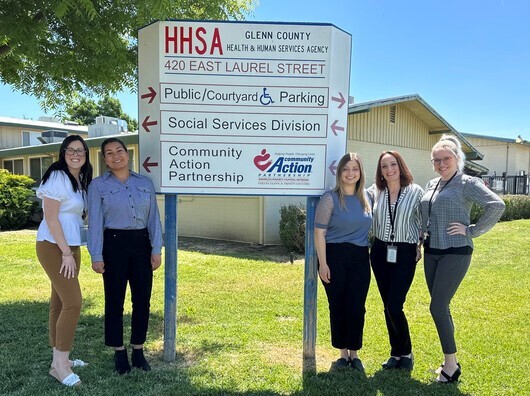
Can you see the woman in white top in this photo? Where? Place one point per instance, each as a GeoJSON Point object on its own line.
{"type": "Point", "coordinates": [63, 190]}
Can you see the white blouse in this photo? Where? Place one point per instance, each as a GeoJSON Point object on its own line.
{"type": "Point", "coordinates": [59, 188]}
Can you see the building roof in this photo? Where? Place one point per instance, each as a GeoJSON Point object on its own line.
{"type": "Point", "coordinates": [518, 140]}
{"type": "Point", "coordinates": [127, 138]}
{"type": "Point", "coordinates": [43, 125]}
{"type": "Point", "coordinates": [475, 169]}
{"type": "Point", "coordinates": [424, 112]}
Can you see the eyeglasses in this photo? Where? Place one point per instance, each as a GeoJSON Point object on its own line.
{"type": "Point", "coordinates": [438, 161]}
{"type": "Point", "coordinates": [71, 151]}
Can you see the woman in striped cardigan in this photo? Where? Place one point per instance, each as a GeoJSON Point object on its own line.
{"type": "Point", "coordinates": [396, 248]}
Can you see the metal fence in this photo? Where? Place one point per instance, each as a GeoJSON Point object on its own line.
{"type": "Point", "coordinates": [518, 185]}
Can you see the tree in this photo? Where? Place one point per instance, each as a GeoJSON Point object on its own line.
{"type": "Point", "coordinates": [84, 111]}
{"type": "Point", "coordinates": [58, 49]}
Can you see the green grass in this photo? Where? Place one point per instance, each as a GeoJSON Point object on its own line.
{"type": "Point", "coordinates": [240, 328]}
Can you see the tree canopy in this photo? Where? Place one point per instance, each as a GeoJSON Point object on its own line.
{"type": "Point", "coordinates": [58, 49]}
{"type": "Point", "coordinates": [84, 111]}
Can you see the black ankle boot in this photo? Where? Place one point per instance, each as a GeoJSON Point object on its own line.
{"type": "Point", "coordinates": [138, 360]}
{"type": "Point", "coordinates": [121, 362]}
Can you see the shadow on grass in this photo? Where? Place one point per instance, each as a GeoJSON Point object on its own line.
{"type": "Point", "coordinates": [274, 253]}
{"type": "Point", "coordinates": [26, 356]}
{"type": "Point", "coordinates": [383, 382]}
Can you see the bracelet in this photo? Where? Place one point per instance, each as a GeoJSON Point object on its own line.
{"type": "Point", "coordinates": [67, 254]}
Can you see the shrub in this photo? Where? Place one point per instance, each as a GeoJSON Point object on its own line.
{"type": "Point", "coordinates": [292, 227]}
{"type": "Point", "coordinates": [517, 207]}
{"type": "Point", "coordinates": [16, 208]}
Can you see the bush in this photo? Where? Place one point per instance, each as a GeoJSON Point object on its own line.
{"type": "Point", "coordinates": [16, 208]}
{"type": "Point", "coordinates": [292, 227]}
{"type": "Point", "coordinates": [517, 207]}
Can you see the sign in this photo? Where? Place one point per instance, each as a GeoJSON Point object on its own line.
{"type": "Point", "coordinates": [238, 108]}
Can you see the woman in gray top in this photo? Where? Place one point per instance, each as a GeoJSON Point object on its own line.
{"type": "Point", "coordinates": [448, 233]}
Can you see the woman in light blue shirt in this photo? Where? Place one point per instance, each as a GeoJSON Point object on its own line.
{"type": "Point", "coordinates": [125, 243]}
{"type": "Point", "coordinates": [342, 221]}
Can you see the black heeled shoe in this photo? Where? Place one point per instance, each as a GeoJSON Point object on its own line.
{"type": "Point", "coordinates": [121, 361]}
{"type": "Point", "coordinates": [450, 378]}
{"type": "Point", "coordinates": [138, 360]}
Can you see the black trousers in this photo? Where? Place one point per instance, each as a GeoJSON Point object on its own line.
{"type": "Point", "coordinates": [349, 266]}
{"type": "Point", "coordinates": [393, 281]}
{"type": "Point", "coordinates": [127, 257]}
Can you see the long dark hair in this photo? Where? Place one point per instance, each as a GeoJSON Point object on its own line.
{"type": "Point", "coordinates": [405, 176]}
{"type": "Point", "coordinates": [85, 175]}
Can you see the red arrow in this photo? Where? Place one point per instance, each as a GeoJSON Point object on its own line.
{"type": "Point", "coordinates": [336, 128]}
{"type": "Point", "coordinates": [146, 124]}
{"type": "Point", "coordinates": [341, 100]}
{"type": "Point", "coordinates": [151, 94]}
{"type": "Point", "coordinates": [146, 164]}
{"type": "Point", "coordinates": [332, 167]}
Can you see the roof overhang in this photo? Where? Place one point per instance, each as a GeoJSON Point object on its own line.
{"type": "Point", "coordinates": [43, 125]}
{"type": "Point", "coordinates": [52, 148]}
{"type": "Point", "coordinates": [475, 169]}
{"type": "Point", "coordinates": [425, 113]}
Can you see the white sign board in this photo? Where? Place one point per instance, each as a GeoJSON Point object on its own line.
{"type": "Point", "coordinates": [238, 108]}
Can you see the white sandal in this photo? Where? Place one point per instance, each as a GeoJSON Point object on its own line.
{"type": "Point", "coordinates": [71, 380]}
{"type": "Point", "coordinates": [78, 363]}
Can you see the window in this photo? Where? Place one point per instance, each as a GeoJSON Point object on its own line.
{"type": "Point", "coordinates": [31, 138]}
{"type": "Point", "coordinates": [37, 167]}
{"type": "Point", "coordinates": [15, 166]}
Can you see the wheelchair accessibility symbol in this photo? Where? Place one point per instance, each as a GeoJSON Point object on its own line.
{"type": "Point", "coordinates": [265, 99]}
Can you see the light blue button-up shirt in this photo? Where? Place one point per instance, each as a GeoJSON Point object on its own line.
{"type": "Point", "coordinates": [122, 206]}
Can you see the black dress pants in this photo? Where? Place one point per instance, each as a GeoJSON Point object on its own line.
{"type": "Point", "coordinates": [127, 257]}
{"type": "Point", "coordinates": [349, 266]}
{"type": "Point", "coordinates": [393, 281]}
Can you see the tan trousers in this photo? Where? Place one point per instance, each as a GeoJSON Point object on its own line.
{"type": "Point", "coordinates": [65, 300]}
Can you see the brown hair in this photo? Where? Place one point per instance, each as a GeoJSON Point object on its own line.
{"type": "Point", "coordinates": [405, 176]}
{"type": "Point", "coordinates": [359, 188]}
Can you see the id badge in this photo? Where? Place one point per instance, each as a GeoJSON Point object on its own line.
{"type": "Point", "coordinates": [391, 254]}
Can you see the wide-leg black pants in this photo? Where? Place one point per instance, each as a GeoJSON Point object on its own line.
{"type": "Point", "coordinates": [350, 279]}
{"type": "Point", "coordinates": [127, 257]}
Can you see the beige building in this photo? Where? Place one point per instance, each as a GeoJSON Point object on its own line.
{"type": "Point", "coordinates": [406, 124]}
{"type": "Point", "coordinates": [503, 155]}
{"type": "Point", "coordinates": [17, 133]}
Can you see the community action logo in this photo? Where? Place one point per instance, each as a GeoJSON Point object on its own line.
{"type": "Point", "coordinates": [284, 164]}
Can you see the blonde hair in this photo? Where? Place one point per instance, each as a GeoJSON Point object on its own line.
{"type": "Point", "coordinates": [451, 143]}
{"type": "Point", "coordinates": [359, 187]}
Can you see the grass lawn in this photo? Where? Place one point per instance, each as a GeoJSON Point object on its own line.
{"type": "Point", "coordinates": [240, 327]}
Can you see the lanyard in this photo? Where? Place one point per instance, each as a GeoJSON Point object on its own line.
{"type": "Point", "coordinates": [432, 198]}
{"type": "Point", "coordinates": [392, 218]}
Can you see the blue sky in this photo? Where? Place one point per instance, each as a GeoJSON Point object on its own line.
{"type": "Point", "coordinates": [470, 60]}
